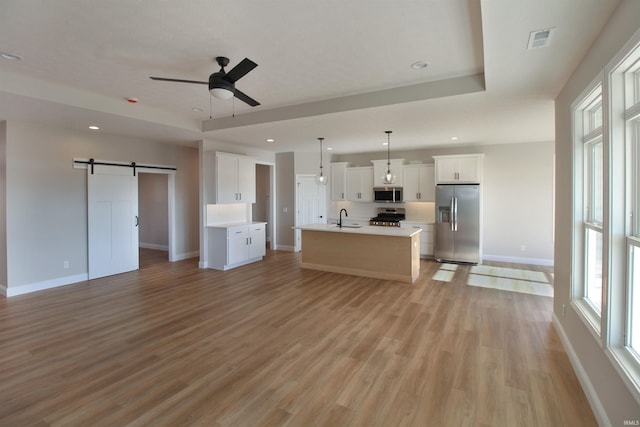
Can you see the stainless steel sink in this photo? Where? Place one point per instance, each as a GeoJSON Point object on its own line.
{"type": "Point", "coordinates": [349, 226]}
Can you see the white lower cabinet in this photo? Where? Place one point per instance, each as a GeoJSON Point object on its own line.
{"type": "Point", "coordinates": [426, 237]}
{"type": "Point", "coordinates": [233, 246]}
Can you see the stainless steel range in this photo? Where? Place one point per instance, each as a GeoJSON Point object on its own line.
{"type": "Point", "coordinates": [388, 217]}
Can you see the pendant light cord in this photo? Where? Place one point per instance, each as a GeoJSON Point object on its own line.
{"type": "Point", "coordinates": [321, 139]}
{"type": "Point", "coordinates": [388, 132]}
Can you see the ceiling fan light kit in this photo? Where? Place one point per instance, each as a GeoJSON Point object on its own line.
{"type": "Point", "coordinates": [222, 84]}
{"type": "Point", "coordinates": [221, 93]}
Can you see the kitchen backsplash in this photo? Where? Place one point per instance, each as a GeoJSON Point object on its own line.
{"type": "Point", "coordinates": [419, 212]}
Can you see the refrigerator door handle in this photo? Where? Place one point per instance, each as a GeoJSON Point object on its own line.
{"type": "Point", "coordinates": [455, 215]}
{"type": "Point", "coordinates": [451, 213]}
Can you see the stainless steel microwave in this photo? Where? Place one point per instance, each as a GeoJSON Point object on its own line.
{"type": "Point", "coordinates": [387, 194]}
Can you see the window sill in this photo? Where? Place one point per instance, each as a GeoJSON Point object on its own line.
{"type": "Point", "coordinates": [589, 317]}
{"type": "Point", "coordinates": [628, 366]}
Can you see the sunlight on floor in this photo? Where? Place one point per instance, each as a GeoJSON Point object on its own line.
{"type": "Point", "coordinates": [501, 278]}
{"type": "Point", "coordinates": [445, 272]}
{"type": "Point", "coordinates": [510, 279]}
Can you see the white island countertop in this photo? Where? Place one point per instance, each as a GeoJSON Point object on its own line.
{"type": "Point", "coordinates": [366, 229]}
{"type": "Point", "coordinates": [234, 224]}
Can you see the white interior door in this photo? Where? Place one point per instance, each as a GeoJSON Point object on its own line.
{"type": "Point", "coordinates": [311, 204]}
{"type": "Point", "coordinates": [112, 220]}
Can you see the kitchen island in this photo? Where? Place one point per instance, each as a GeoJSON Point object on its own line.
{"type": "Point", "coordinates": [390, 253]}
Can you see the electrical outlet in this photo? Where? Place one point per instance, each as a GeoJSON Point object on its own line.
{"type": "Point", "coordinates": [523, 248]}
{"type": "Point", "coordinates": [65, 264]}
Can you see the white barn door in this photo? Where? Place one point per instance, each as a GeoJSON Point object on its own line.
{"type": "Point", "coordinates": [112, 220]}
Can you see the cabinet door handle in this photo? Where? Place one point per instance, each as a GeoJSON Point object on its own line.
{"type": "Point", "coordinates": [239, 196]}
{"type": "Point", "coordinates": [250, 240]}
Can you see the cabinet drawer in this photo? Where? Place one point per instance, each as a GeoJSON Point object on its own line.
{"type": "Point", "coordinates": [237, 232]}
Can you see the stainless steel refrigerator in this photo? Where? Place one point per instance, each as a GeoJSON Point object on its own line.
{"type": "Point", "coordinates": [458, 223]}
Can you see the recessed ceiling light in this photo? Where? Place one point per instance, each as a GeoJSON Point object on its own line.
{"type": "Point", "coordinates": [94, 127]}
{"type": "Point", "coordinates": [10, 56]}
{"type": "Point", "coordinates": [454, 138]}
{"type": "Point", "coordinates": [329, 148]}
{"type": "Point", "coordinates": [271, 140]}
{"type": "Point", "coordinates": [197, 110]}
{"type": "Point", "coordinates": [419, 65]}
{"type": "Point", "coordinates": [385, 143]}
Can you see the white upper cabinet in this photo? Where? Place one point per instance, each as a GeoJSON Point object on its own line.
{"type": "Point", "coordinates": [338, 181]}
{"type": "Point", "coordinates": [418, 183]}
{"type": "Point", "coordinates": [360, 184]}
{"type": "Point", "coordinates": [235, 179]}
{"type": "Point", "coordinates": [459, 169]}
{"type": "Point", "coordinates": [380, 170]}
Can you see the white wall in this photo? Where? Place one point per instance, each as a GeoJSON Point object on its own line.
{"type": "Point", "coordinates": [3, 208]}
{"type": "Point", "coordinates": [285, 202]}
{"type": "Point", "coordinates": [611, 400]}
{"type": "Point", "coordinates": [517, 187]}
{"type": "Point", "coordinates": [518, 203]}
{"type": "Point", "coordinates": [46, 198]}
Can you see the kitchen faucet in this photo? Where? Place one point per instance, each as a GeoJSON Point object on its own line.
{"type": "Point", "coordinates": [340, 220]}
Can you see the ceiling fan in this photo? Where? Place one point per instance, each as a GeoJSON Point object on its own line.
{"type": "Point", "coordinates": [222, 84]}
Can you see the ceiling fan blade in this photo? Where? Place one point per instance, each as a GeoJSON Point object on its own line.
{"type": "Point", "coordinates": [237, 72]}
{"type": "Point", "coordinates": [245, 98]}
{"type": "Point", "coordinates": [178, 80]}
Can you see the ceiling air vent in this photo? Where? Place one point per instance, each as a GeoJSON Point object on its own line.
{"type": "Point", "coordinates": [540, 38]}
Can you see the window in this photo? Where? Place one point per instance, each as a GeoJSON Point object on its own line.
{"type": "Point", "coordinates": [634, 306]}
{"type": "Point", "coordinates": [588, 257]}
{"type": "Point", "coordinates": [606, 261]}
{"type": "Point", "coordinates": [632, 119]}
{"type": "Point", "coordinates": [593, 199]}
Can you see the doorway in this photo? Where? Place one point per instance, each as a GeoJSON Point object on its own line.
{"type": "Point", "coordinates": [263, 209]}
{"type": "Point", "coordinates": [153, 208]}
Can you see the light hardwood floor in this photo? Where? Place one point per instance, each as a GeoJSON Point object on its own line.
{"type": "Point", "coordinates": [270, 344]}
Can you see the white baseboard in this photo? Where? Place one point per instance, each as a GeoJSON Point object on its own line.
{"type": "Point", "coordinates": [519, 260]}
{"type": "Point", "coordinates": [47, 284]}
{"type": "Point", "coordinates": [154, 246]}
{"type": "Point", "coordinates": [186, 255]}
{"type": "Point", "coordinates": [285, 248]}
{"type": "Point", "coordinates": [585, 382]}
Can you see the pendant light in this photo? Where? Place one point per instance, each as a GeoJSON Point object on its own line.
{"type": "Point", "coordinates": [321, 179]}
{"type": "Point", "coordinates": [388, 178]}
